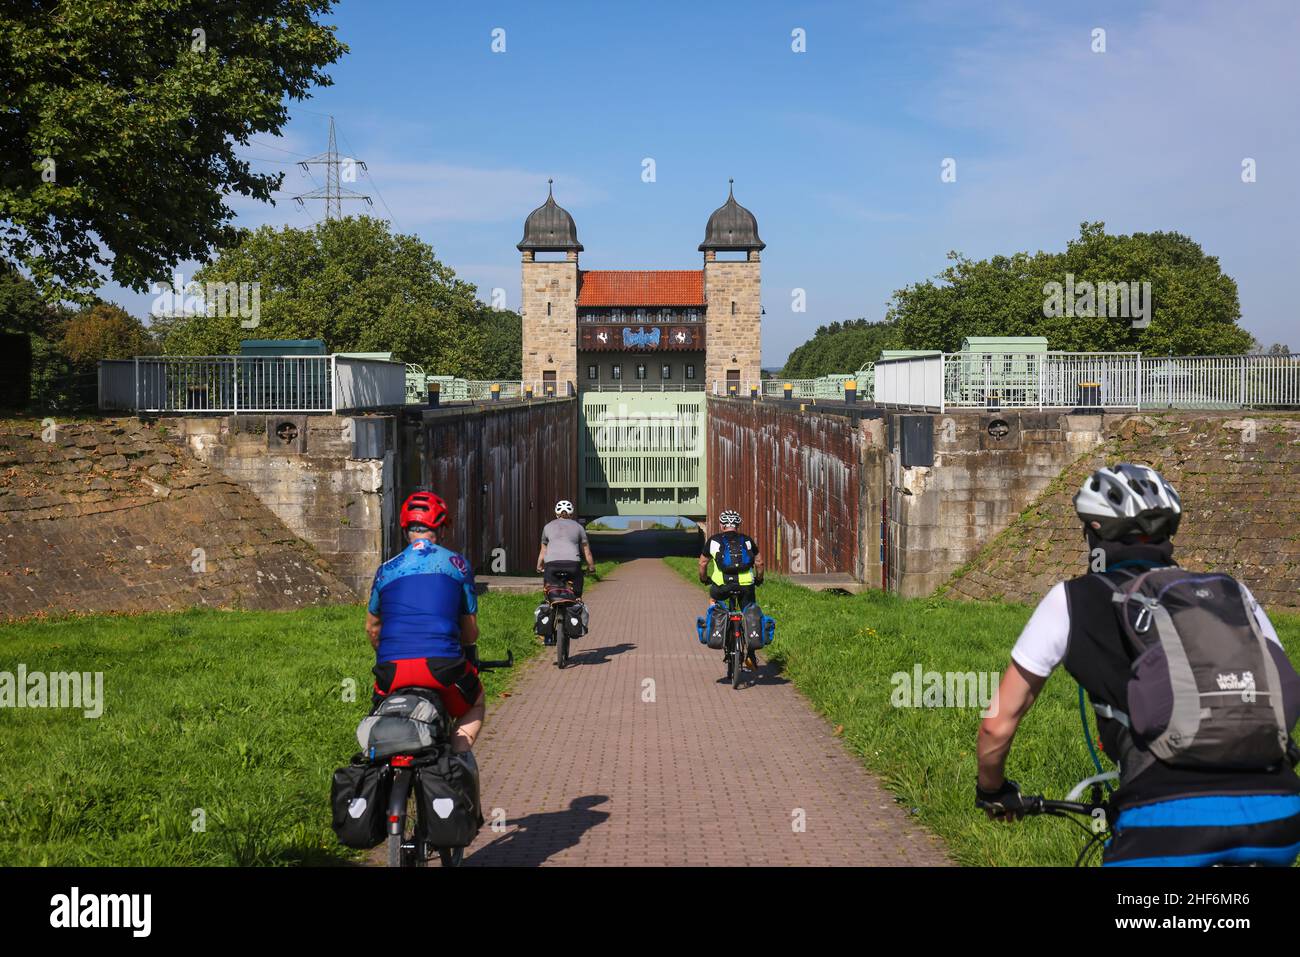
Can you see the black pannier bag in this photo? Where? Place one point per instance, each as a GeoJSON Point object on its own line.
{"type": "Point", "coordinates": [574, 618]}
{"type": "Point", "coordinates": [544, 622]}
{"type": "Point", "coordinates": [359, 798]}
{"type": "Point", "coordinates": [447, 789]}
{"type": "Point", "coordinates": [716, 625]}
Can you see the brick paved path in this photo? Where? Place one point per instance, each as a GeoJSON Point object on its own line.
{"type": "Point", "coordinates": [587, 772]}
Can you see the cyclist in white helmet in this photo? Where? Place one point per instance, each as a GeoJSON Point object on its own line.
{"type": "Point", "coordinates": [564, 545]}
{"type": "Point", "coordinates": [1169, 811]}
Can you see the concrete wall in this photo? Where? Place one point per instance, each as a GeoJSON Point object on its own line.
{"type": "Point", "coordinates": [113, 515]}
{"type": "Point", "coordinates": [807, 483]}
{"type": "Point", "coordinates": [501, 468]}
{"type": "Point", "coordinates": [301, 468]}
{"type": "Point", "coordinates": [939, 516]}
{"type": "Point", "coordinates": [819, 484]}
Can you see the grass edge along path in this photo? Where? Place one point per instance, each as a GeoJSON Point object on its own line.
{"type": "Point", "coordinates": [220, 731]}
{"type": "Point", "coordinates": [855, 659]}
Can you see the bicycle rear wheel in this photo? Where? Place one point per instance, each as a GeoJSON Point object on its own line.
{"type": "Point", "coordinates": [737, 658]}
{"type": "Point", "coordinates": [451, 856]}
{"type": "Point", "coordinates": [561, 647]}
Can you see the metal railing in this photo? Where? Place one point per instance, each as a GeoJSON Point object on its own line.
{"type": "Point", "coordinates": [636, 386]}
{"type": "Point", "coordinates": [1126, 380]}
{"type": "Point", "coordinates": [234, 384]}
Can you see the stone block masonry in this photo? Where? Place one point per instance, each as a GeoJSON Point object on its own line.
{"type": "Point", "coordinates": [114, 515]}
{"type": "Point", "coordinates": [301, 468]}
{"type": "Point", "coordinates": [1238, 475]}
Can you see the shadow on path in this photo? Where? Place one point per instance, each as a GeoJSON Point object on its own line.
{"type": "Point", "coordinates": [536, 838]}
{"type": "Point", "coordinates": [599, 656]}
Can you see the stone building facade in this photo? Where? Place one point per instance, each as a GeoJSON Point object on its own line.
{"type": "Point", "coordinates": [697, 329]}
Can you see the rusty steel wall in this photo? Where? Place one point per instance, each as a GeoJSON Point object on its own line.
{"type": "Point", "coordinates": [797, 478]}
{"type": "Point", "coordinates": [501, 469]}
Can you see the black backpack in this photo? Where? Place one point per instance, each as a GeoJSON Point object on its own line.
{"type": "Point", "coordinates": [1208, 689]}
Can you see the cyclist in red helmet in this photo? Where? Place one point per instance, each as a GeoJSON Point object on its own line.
{"type": "Point", "coordinates": [423, 620]}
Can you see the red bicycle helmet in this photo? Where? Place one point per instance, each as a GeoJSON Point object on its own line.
{"type": "Point", "coordinates": [423, 508]}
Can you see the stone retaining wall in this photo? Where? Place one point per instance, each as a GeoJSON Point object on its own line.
{"type": "Point", "coordinates": [113, 515]}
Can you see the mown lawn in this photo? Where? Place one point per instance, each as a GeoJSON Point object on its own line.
{"type": "Point", "coordinates": [841, 652]}
{"type": "Point", "coordinates": [237, 719]}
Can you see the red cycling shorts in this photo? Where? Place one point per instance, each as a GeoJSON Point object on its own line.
{"type": "Point", "coordinates": [455, 680]}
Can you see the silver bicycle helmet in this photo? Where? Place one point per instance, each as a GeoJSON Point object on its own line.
{"type": "Point", "coordinates": [564, 507]}
{"type": "Point", "coordinates": [1128, 499]}
{"type": "Point", "coordinates": [730, 518]}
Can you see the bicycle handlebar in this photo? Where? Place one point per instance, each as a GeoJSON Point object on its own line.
{"type": "Point", "coordinates": [1038, 804]}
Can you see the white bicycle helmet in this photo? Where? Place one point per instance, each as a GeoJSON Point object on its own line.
{"type": "Point", "coordinates": [729, 519]}
{"type": "Point", "coordinates": [564, 507]}
{"type": "Point", "coordinates": [1127, 499]}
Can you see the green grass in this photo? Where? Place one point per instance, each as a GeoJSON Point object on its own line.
{"type": "Point", "coordinates": [841, 652]}
{"type": "Point", "coordinates": [241, 714]}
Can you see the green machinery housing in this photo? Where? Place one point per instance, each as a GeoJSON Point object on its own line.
{"type": "Point", "coordinates": [642, 453]}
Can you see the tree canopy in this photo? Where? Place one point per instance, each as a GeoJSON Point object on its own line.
{"type": "Point", "coordinates": [1193, 305]}
{"type": "Point", "coordinates": [120, 124]}
{"type": "Point", "coordinates": [359, 287]}
{"type": "Point", "coordinates": [840, 347]}
{"type": "Point", "coordinates": [1069, 297]}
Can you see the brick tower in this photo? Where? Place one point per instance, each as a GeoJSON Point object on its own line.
{"type": "Point", "coordinates": [733, 289]}
{"type": "Point", "coordinates": [549, 301]}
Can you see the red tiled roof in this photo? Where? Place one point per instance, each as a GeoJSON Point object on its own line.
{"type": "Point", "coordinates": [638, 287]}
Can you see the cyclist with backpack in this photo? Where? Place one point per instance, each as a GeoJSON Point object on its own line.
{"type": "Point", "coordinates": [1194, 696]}
{"type": "Point", "coordinates": [730, 561]}
{"type": "Point", "coordinates": [423, 621]}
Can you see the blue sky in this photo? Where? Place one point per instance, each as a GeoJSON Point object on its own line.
{"type": "Point", "coordinates": [837, 150]}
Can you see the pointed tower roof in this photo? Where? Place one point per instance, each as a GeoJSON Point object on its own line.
{"type": "Point", "coordinates": [732, 227]}
{"type": "Point", "coordinates": [550, 228]}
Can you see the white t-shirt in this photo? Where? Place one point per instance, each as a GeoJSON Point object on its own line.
{"type": "Point", "coordinates": [1041, 646]}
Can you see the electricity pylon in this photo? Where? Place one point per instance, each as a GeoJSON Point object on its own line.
{"type": "Point", "coordinates": [333, 193]}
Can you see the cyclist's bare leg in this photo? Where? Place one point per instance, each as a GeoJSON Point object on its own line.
{"type": "Point", "coordinates": [469, 725]}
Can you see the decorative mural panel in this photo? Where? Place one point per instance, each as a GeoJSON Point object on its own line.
{"type": "Point", "coordinates": [607, 338]}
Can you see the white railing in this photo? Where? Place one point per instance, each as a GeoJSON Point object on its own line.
{"type": "Point", "coordinates": [234, 384]}
{"type": "Point", "coordinates": [1126, 380]}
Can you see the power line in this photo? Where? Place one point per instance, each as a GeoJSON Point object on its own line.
{"type": "Point", "coordinates": [333, 193]}
{"type": "Point", "coordinates": [391, 217]}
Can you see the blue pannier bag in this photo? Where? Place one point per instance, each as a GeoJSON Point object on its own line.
{"type": "Point", "coordinates": [700, 630]}
{"type": "Point", "coordinates": [769, 630]}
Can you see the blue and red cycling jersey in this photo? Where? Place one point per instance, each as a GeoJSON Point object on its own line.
{"type": "Point", "coordinates": [420, 596]}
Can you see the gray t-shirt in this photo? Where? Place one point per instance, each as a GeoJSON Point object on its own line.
{"type": "Point", "coordinates": [564, 539]}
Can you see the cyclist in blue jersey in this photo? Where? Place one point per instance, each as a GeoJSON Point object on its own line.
{"type": "Point", "coordinates": [423, 620]}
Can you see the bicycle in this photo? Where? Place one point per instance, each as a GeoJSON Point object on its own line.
{"type": "Point", "coordinates": [408, 847]}
{"type": "Point", "coordinates": [735, 646]}
{"type": "Point", "coordinates": [560, 600]}
{"type": "Point", "coordinates": [1099, 810]}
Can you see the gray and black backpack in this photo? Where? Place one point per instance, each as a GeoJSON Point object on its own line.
{"type": "Point", "coordinates": [1208, 689]}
